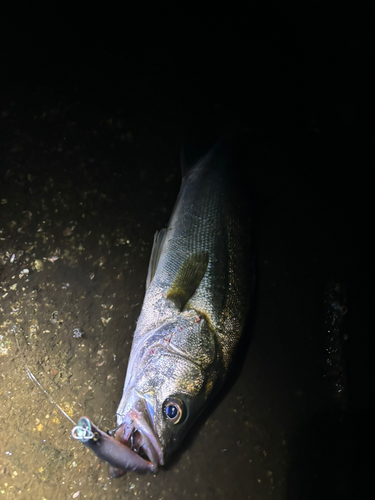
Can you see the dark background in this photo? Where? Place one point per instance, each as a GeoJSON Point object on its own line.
{"type": "Point", "coordinates": [299, 78]}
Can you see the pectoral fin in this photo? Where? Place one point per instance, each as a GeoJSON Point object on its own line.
{"type": "Point", "coordinates": [188, 279]}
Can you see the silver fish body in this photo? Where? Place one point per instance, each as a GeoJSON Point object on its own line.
{"type": "Point", "coordinates": [194, 310]}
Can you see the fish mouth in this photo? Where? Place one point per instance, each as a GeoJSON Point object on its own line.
{"type": "Point", "coordinates": [138, 436]}
{"type": "Point", "coordinates": [120, 457]}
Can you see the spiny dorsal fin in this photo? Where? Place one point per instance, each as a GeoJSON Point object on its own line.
{"type": "Point", "coordinates": [155, 255]}
{"type": "Point", "coordinates": [188, 279]}
{"type": "Point", "coordinates": [190, 156]}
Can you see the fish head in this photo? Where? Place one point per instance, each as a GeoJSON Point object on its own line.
{"type": "Point", "coordinates": [169, 381]}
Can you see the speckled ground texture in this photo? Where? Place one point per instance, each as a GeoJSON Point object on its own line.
{"type": "Point", "coordinates": [85, 181]}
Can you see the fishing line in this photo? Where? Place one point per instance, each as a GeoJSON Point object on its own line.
{"type": "Point", "coordinates": [31, 377]}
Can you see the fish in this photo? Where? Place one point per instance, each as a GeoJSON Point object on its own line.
{"type": "Point", "coordinates": [198, 292]}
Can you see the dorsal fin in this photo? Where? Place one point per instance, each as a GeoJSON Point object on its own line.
{"type": "Point", "coordinates": [188, 279]}
{"type": "Point", "coordinates": [155, 255]}
{"type": "Point", "coordinates": [190, 155]}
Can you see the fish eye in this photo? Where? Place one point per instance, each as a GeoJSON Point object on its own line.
{"type": "Point", "coordinates": [173, 410]}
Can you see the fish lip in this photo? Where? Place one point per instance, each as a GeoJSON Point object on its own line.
{"type": "Point", "coordinates": [148, 440]}
{"type": "Point", "coordinates": [140, 465]}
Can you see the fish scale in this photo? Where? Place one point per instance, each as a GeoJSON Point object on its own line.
{"type": "Point", "coordinates": [191, 230]}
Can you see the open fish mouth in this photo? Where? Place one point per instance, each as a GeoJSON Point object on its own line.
{"type": "Point", "coordinates": [127, 451]}
{"type": "Point", "coordinates": [141, 443]}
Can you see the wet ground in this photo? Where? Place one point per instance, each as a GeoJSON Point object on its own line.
{"type": "Point", "coordinates": [85, 183]}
